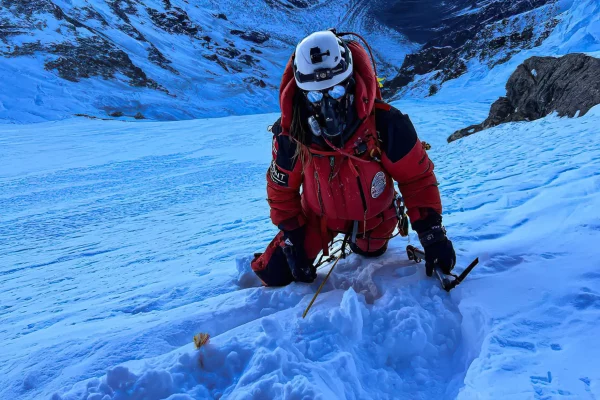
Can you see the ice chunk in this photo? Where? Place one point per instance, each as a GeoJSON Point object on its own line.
{"type": "Point", "coordinates": [245, 277]}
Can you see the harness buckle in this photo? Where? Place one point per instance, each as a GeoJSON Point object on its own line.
{"type": "Point", "coordinates": [401, 214]}
{"type": "Point", "coordinates": [360, 148]}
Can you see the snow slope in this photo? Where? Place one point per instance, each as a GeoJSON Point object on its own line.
{"type": "Point", "coordinates": [164, 59]}
{"type": "Point", "coordinates": [133, 264]}
{"type": "Point", "coordinates": [119, 241]}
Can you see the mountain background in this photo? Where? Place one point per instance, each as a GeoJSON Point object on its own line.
{"type": "Point", "coordinates": [180, 59]}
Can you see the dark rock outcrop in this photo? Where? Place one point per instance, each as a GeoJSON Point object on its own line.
{"type": "Point", "coordinates": [493, 32]}
{"type": "Point", "coordinates": [159, 59]}
{"type": "Point", "coordinates": [255, 81]}
{"type": "Point", "coordinates": [30, 7]}
{"type": "Point", "coordinates": [123, 8]}
{"type": "Point", "coordinates": [251, 36]}
{"type": "Point", "coordinates": [95, 56]}
{"type": "Point", "coordinates": [228, 52]}
{"type": "Point", "coordinates": [291, 4]}
{"type": "Point", "coordinates": [106, 39]}
{"type": "Point", "coordinates": [175, 20]}
{"type": "Point", "coordinates": [569, 85]}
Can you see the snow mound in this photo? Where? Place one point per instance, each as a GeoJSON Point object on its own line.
{"type": "Point", "coordinates": [409, 341]}
{"type": "Point", "coordinates": [245, 276]}
{"type": "Point", "coordinates": [523, 324]}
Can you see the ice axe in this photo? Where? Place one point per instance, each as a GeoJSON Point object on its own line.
{"type": "Point", "coordinates": [417, 255]}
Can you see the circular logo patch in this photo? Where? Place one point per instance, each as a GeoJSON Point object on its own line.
{"type": "Point", "coordinates": [378, 184]}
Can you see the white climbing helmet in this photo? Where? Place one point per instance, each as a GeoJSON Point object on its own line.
{"type": "Point", "coordinates": [322, 60]}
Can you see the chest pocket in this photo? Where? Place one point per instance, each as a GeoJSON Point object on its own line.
{"type": "Point", "coordinates": [351, 190]}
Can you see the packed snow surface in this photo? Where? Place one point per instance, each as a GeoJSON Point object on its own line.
{"type": "Point", "coordinates": [120, 241]}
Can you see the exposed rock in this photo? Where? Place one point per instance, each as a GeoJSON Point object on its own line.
{"type": "Point", "coordinates": [116, 114]}
{"type": "Point", "coordinates": [94, 56]}
{"type": "Point", "coordinates": [139, 115]}
{"type": "Point", "coordinates": [466, 26]}
{"type": "Point", "coordinates": [8, 28]}
{"type": "Point", "coordinates": [291, 4]}
{"type": "Point", "coordinates": [122, 8]}
{"type": "Point", "coordinates": [299, 3]}
{"type": "Point", "coordinates": [26, 49]}
{"type": "Point", "coordinates": [419, 63]}
{"type": "Point", "coordinates": [569, 85]}
{"type": "Point", "coordinates": [251, 36]}
{"type": "Point", "coordinates": [217, 59]}
{"type": "Point", "coordinates": [248, 60]}
{"type": "Point", "coordinates": [499, 112]}
{"type": "Point", "coordinates": [208, 43]}
{"type": "Point", "coordinates": [89, 13]}
{"type": "Point", "coordinates": [29, 7]}
{"type": "Point", "coordinates": [254, 81]}
{"type": "Point", "coordinates": [159, 59]}
{"type": "Point", "coordinates": [132, 32]}
{"type": "Point", "coordinates": [91, 117]}
{"type": "Point", "coordinates": [228, 52]}
{"type": "Point", "coordinates": [542, 85]}
{"type": "Point", "coordinates": [493, 34]}
{"type": "Point", "coordinates": [175, 20]}
{"type": "Point", "coordinates": [222, 16]}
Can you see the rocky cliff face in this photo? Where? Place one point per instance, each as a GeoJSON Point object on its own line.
{"type": "Point", "coordinates": [488, 32]}
{"type": "Point", "coordinates": [569, 85]}
{"type": "Point", "coordinates": [175, 59]}
{"type": "Point", "coordinates": [164, 59]}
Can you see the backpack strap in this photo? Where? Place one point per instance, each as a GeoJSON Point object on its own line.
{"type": "Point", "coordinates": [382, 105]}
{"type": "Point", "coordinates": [276, 128]}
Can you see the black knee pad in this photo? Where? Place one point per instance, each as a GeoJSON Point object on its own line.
{"type": "Point", "coordinates": [368, 254]}
{"type": "Point", "coordinates": [277, 272]}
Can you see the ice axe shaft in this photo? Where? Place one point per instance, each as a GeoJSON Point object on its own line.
{"type": "Point", "coordinates": [322, 284]}
{"type": "Point", "coordinates": [447, 284]}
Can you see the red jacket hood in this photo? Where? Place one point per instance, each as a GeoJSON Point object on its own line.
{"type": "Point", "coordinates": [367, 87]}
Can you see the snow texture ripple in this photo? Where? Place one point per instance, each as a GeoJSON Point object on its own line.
{"type": "Point", "coordinates": [120, 241]}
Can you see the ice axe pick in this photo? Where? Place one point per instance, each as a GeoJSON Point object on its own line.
{"type": "Point", "coordinates": [417, 255]}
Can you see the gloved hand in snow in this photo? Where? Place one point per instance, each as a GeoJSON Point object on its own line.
{"type": "Point", "coordinates": [293, 247]}
{"type": "Point", "coordinates": [438, 250]}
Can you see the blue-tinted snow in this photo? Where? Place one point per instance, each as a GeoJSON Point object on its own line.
{"type": "Point", "coordinates": [202, 87]}
{"type": "Point", "coordinates": [120, 241]}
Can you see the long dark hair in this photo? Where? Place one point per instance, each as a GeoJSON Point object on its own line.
{"type": "Point", "coordinates": [299, 129]}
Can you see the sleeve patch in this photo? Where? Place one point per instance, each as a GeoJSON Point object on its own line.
{"type": "Point", "coordinates": [277, 176]}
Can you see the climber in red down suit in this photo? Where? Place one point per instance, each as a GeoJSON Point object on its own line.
{"type": "Point", "coordinates": [337, 149]}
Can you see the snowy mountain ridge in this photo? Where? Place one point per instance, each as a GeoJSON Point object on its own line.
{"type": "Point", "coordinates": [507, 31]}
{"type": "Point", "coordinates": [158, 59]}
{"type": "Point", "coordinates": [174, 59]}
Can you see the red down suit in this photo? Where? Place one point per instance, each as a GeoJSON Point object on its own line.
{"type": "Point", "coordinates": [329, 189]}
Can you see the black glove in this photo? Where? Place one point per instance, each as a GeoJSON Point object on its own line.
{"type": "Point", "coordinates": [301, 267]}
{"type": "Point", "coordinates": [442, 254]}
{"type": "Point", "coordinates": [438, 250]}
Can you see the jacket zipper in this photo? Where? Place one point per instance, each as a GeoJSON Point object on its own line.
{"type": "Point", "coordinates": [362, 194]}
{"type": "Point", "coordinates": [332, 167]}
{"type": "Point", "coordinates": [364, 201]}
{"type": "Point", "coordinates": [319, 192]}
